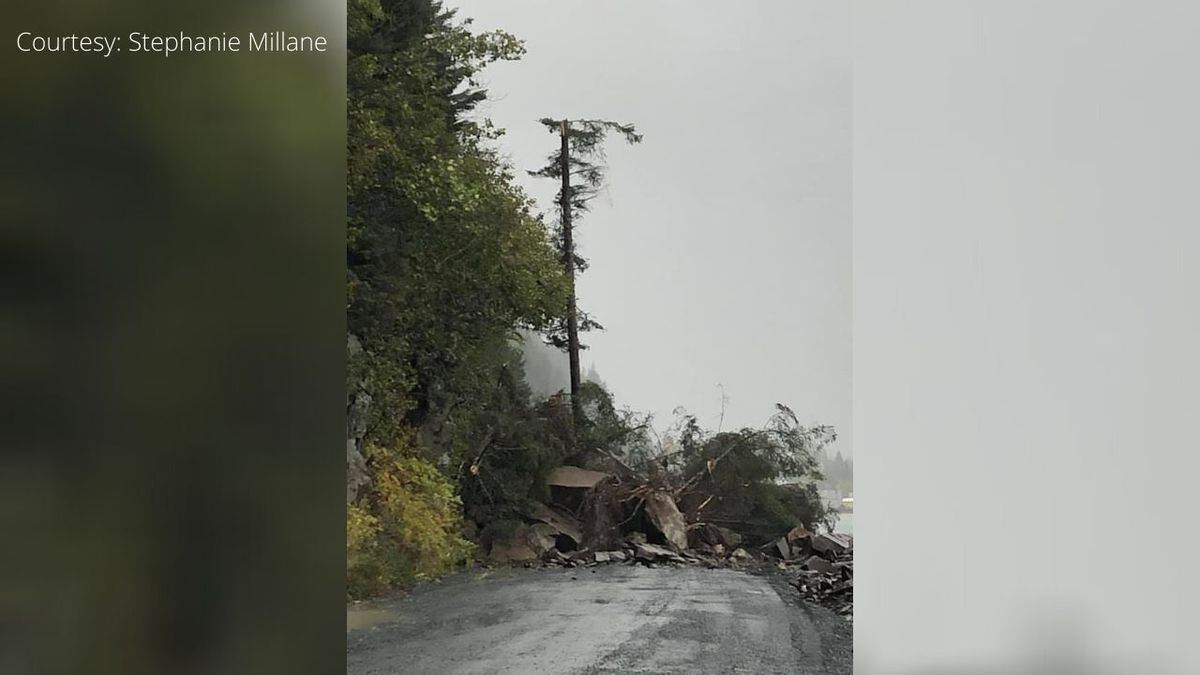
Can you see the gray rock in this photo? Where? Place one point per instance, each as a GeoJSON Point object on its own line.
{"type": "Point", "coordinates": [610, 556]}
{"type": "Point", "coordinates": [665, 516]}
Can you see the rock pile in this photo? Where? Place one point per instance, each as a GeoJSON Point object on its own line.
{"type": "Point", "coordinates": [590, 521]}
{"type": "Point", "coordinates": [820, 566]}
{"type": "Point", "coordinates": [637, 551]}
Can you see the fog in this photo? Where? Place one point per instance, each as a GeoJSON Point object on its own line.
{"type": "Point", "coordinates": [720, 252]}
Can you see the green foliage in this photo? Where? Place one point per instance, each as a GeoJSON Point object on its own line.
{"type": "Point", "coordinates": [445, 256]}
{"type": "Point", "coordinates": [406, 528]}
{"type": "Point", "coordinates": [513, 444]}
{"type": "Point", "coordinates": [622, 432]}
{"type": "Point", "coordinates": [446, 259]}
{"type": "Point", "coordinates": [585, 164]}
{"type": "Point", "coordinates": [585, 139]}
{"type": "Point", "coordinates": [763, 481]}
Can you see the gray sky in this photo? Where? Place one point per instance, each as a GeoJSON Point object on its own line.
{"type": "Point", "coordinates": [720, 254]}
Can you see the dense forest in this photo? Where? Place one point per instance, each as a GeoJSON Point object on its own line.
{"type": "Point", "coordinates": [450, 268]}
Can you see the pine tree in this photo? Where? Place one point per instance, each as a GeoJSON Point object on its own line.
{"type": "Point", "coordinates": [581, 156]}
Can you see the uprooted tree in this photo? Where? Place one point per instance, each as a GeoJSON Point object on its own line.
{"type": "Point", "coordinates": [758, 482]}
{"type": "Point", "coordinates": [674, 490]}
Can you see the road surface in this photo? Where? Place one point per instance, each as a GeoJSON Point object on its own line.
{"type": "Point", "coordinates": [604, 619]}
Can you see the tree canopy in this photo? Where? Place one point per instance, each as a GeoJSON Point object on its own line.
{"type": "Point", "coordinates": [585, 163]}
{"type": "Point", "coordinates": [446, 258]}
{"type": "Point", "coordinates": [445, 254]}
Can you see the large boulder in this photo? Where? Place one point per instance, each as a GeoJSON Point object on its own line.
{"type": "Point", "coordinates": [514, 548]}
{"type": "Point", "coordinates": [526, 542]}
{"type": "Point", "coordinates": [832, 544]}
{"type": "Point", "coordinates": [651, 554]}
{"type": "Point", "coordinates": [713, 535]}
{"type": "Point", "coordinates": [666, 518]}
{"type": "Point", "coordinates": [561, 523]}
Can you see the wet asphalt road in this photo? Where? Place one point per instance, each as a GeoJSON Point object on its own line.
{"type": "Point", "coordinates": [605, 619]}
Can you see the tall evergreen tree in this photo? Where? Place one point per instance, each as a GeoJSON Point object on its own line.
{"type": "Point", "coordinates": [580, 155]}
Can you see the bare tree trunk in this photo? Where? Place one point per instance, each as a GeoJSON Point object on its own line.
{"type": "Point", "coordinates": [569, 261]}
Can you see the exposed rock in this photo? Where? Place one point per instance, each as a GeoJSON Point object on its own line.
{"type": "Point", "coordinates": [666, 517]}
{"type": "Point", "coordinates": [356, 417]}
{"type": "Point", "coordinates": [541, 537]}
{"type": "Point", "coordinates": [799, 541]}
{"type": "Point", "coordinates": [707, 534]}
{"type": "Point", "coordinates": [610, 556]}
{"type": "Point", "coordinates": [527, 542]}
{"type": "Point", "coordinates": [832, 544]}
{"type": "Point", "coordinates": [357, 475]}
{"type": "Point", "coordinates": [818, 564]}
{"type": "Point", "coordinates": [727, 536]}
{"type": "Point", "coordinates": [601, 512]}
{"type": "Point", "coordinates": [515, 548]}
{"type": "Point", "coordinates": [356, 470]}
{"type": "Point", "coordinates": [651, 553]}
{"type": "Point", "coordinates": [827, 578]}
{"type": "Point", "coordinates": [781, 547]}
{"type": "Point", "coordinates": [798, 533]}
{"type": "Point", "coordinates": [562, 523]}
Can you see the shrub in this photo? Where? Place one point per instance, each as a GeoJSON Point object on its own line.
{"type": "Point", "coordinates": [408, 526]}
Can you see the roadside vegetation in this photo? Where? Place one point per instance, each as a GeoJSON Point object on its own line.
{"type": "Point", "coordinates": [448, 261]}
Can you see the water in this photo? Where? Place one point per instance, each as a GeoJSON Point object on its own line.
{"type": "Point", "coordinates": [845, 524]}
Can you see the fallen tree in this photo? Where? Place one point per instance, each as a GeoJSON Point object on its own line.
{"type": "Point", "coordinates": [693, 490]}
{"type": "Point", "coordinates": [742, 499]}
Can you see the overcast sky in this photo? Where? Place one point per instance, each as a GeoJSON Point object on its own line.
{"type": "Point", "coordinates": [720, 253]}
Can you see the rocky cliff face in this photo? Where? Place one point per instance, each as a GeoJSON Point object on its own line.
{"type": "Point", "coordinates": [358, 404]}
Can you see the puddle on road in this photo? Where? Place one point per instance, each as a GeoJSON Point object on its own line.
{"type": "Point", "coordinates": [357, 619]}
{"type": "Point", "coordinates": [367, 613]}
